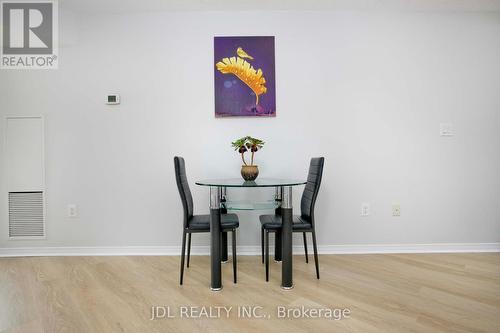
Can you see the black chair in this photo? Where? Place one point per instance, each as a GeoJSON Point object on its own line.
{"type": "Point", "coordinates": [303, 223]}
{"type": "Point", "coordinates": [199, 223]}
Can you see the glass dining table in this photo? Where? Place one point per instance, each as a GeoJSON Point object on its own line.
{"type": "Point", "coordinates": [221, 203]}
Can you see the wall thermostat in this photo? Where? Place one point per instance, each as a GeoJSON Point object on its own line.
{"type": "Point", "coordinates": [113, 99]}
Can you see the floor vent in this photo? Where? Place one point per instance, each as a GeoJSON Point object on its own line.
{"type": "Point", "coordinates": [26, 215]}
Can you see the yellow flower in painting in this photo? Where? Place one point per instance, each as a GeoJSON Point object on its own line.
{"type": "Point", "coordinates": [254, 79]}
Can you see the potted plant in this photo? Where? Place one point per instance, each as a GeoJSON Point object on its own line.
{"type": "Point", "coordinates": [242, 145]}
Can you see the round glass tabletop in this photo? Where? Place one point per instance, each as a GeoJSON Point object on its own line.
{"type": "Point", "coordinates": [259, 182]}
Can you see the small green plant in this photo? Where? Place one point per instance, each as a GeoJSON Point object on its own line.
{"type": "Point", "coordinates": [245, 144]}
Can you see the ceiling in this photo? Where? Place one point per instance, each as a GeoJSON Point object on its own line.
{"type": "Point", "coordinates": [124, 6]}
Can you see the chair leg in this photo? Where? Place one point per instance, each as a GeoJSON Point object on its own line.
{"type": "Point", "coordinates": [233, 237]}
{"type": "Point", "coordinates": [189, 249]}
{"type": "Point", "coordinates": [277, 246]}
{"type": "Point", "coordinates": [262, 243]}
{"type": "Point", "coordinates": [267, 255]}
{"type": "Point", "coordinates": [182, 255]}
{"type": "Point", "coordinates": [316, 262]}
{"type": "Point", "coordinates": [305, 247]}
{"type": "Point", "coordinates": [223, 249]}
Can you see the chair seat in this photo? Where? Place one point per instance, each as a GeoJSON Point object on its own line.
{"type": "Point", "coordinates": [273, 222]}
{"type": "Point", "coordinates": [202, 222]}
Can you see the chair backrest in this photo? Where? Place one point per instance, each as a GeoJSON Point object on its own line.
{"type": "Point", "coordinates": [183, 186]}
{"type": "Point", "coordinates": [312, 187]}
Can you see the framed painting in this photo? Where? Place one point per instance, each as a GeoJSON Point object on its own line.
{"type": "Point", "coordinates": [244, 76]}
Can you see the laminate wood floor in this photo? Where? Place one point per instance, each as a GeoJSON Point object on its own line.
{"type": "Point", "coordinates": [384, 293]}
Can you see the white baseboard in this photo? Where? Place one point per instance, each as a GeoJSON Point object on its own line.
{"type": "Point", "coordinates": [410, 248]}
{"type": "Point", "coordinates": [247, 250]}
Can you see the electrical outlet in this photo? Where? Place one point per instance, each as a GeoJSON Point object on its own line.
{"type": "Point", "coordinates": [72, 210]}
{"type": "Point", "coordinates": [365, 209]}
{"type": "Point", "coordinates": [396, 209]}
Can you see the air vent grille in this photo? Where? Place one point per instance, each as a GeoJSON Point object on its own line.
{"type": "Point", "coordinates": [26, 218]}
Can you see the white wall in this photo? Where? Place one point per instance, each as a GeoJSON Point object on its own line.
{"type": "Point", "coordinates": [367, 90]}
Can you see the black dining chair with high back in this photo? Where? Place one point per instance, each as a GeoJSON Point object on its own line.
{"type": "Point", "coordinates": [304, 222]}
{"type": "Point", "coordinates": [199, 223]}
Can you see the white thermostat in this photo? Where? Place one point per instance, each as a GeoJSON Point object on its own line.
{"type": "Point", "coordinates": [112, 99]}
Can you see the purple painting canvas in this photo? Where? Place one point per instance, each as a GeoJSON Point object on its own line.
{"type": "Point", "coordinates": [244, 77]}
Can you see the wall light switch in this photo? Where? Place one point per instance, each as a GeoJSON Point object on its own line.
{"type": "Point", "coordinates": [446, 129]}
{"type": "Point", "coordinates": [72, 210]}
{"type": "Point", "coordinates": [365, 209]}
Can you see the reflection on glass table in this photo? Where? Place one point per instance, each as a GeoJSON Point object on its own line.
{"type": "Point", "coordinates": [250, 205]}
